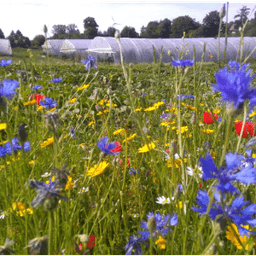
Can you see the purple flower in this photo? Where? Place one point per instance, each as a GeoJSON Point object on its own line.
{"type": "Point", "coordinates": [134, 171]}
{"type": "Point", "coordinates": [37, 87]}
{"type": "Point", "coordinates": [14, 146]}
{"type": "Point", "coordinates": [57, 80]}
{"type": "Point", "coordinates": [182, 63]}
{"type": "Point", "coordinates": [4, 63]}
{"type": "Point", "coordinates": [48, 103]}
{"type": "Point", "coordinates": [106, 147]}
{"type": "Point", "coordinates": [7, 88]}
{"type": "Point", "coordinates": [134, 242]}
{"type": "Point", "coordinates": [90, 61]}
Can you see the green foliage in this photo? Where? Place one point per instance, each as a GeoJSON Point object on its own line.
{"type": "Point", "coordinates": [211, 24]}
{"type": "Point", "coordinates": [129, 32]}
{"type": "Point", "coordinates": [1, 34]}
{"type": "Point", "coordinates": [242, 16]}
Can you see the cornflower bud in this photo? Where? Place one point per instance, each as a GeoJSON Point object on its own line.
{"type": "Point", "coordinates": [151, 224]}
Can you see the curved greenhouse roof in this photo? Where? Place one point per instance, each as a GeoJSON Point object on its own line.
{"type": "Point", "coordinates": [53, 46]}
{"type": "Point", "coordinates": [141, 49]}
{"type": "Point", "coordinates": [5, 47]}
{"type": "Point", "coordinates": [75, 46]}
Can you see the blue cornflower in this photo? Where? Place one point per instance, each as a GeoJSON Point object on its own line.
{"type": "Point", "coordinates": [182, 97]}
{"type": "Point", "coordinates": [143, 94]}
{"type": "Point", "coordinates": [37, 87]}
{"type": "Point", "coordinates": [106, 147]}
{"type": "Point", "coordinates": [7, 88]}
{"type": "Point", "coordinates": [182, 63]}
{"type": "Point", "coordinates": [57, 80]}
{"type": "Point", "coordinates": [48, 103]}
{"type": "Point", "coordinates": [4, 63]}
{"type": "Point", "coordinates": [235, 211]}
{"type": "Point", "coordinates": [162, 224]}
{"type": "Point", "coordinates": [165, 116]}
{"type": "Point", "coordinates": [45, 191]}
{"type": "Point", "coordinates": [89, 61]}
{"type": "Point", "coordinates": [2, 151]}
{"type": "Point", "coordinates": [134, 171]}
{"type": "Point", "coordinates": [235, 85]}
{"type": "Point", "coordinates": [14, 146]}
{"type": "Point", "coordinates": [134, 242]}
{"type": "Point", "coordinates": [234, 171]}
{"type": "Point", "coordinates": [72, 133]}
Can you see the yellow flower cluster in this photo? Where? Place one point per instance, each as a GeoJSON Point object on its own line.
{"type": "Point", "coordinates": [72, 101]}
{"type": "Point", "coordinates": [101, 113]}
{"type": "Point", "coordinates": [28, 103]}
{"type": "Point", "coordinates": [188, 106]}
{"type": "Point", "coordinates": [122, 131]}
{"type": "Point", "coordinates": [83, 87]}
{"type": "Point", "coordinates": [97, 170]}
{"type": "Point", "coordinates": [91, 123]}
{"type": "Point", "coordinates": [3, 126]}
{"type": "Point", "coordinates": [147, 147]}
{"type": "Point", "coordinates": [154, 107]}
{"type": "Point", "coordinates": [69, 184]}
{"type": "Point", "coordinates": [207, 131]}
{"type": "Point", "coordinates": [130, 138]}
{"type": "Point", "coordinates": [182, 129]}
{"type": "Point", "coordinates": [161, 243]}
{"type": "Point", "coordinates": [20, 208]}
{"type": "Point", "coordinates": [47, 142]}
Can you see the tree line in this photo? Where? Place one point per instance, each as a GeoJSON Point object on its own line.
{"type": "Point", "coordinates": [154, 29]}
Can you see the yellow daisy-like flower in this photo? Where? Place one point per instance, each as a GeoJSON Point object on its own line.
{"type": "Point", "coordinates": [18, 205]}
{"type": "Point", "coordinates": [47, 142]}
{"type": "Point", "coordinates": [161, 243]}
{"type": "Point", "coordinates": [182, 129]}
{"type": "Point", "coordinates": [14, 108]}
{"type": "Point", "coordinates": [165, 123]}
{"type": "Point", "coordinates": [207, 131]}
{"type": "Point", "coordinates": [29, 211]}
{"type": "Point", "coordinates": [91, 123]}
{"type": "Point", "coordinates": [119, 131]}
{"type": "Point", "coordinates": [232, 236]}
{"type": "Point", "coordinates": [252, 114]}
{"type": "Point", "coordinates": [150, 109]}
{"type": "Point", "coordinates": [147, 148]}
{"type": "Point", "coordinates": [101, 113]}
{"type": "Point", "coordinates": [254, 155]}
{"type": "Point", "coordinates": [40, 108]}
{"type": "Point", "coordinates": [138, 109]}
{"type": "Point", "coordinates": [72, 101]}
{"type": "Point", "coordinates": [201, 104]}
{"type": "Point", "coordinates": [28, 103]}
{"type": "Point", "coordinates": [188, 106]}
{"type": "Point", "coordinates": [97, 170]}
{"type": "Point", "coordinates": [3, 126]}
{"type": "Point", "coordinates": [130, 138]}
{"type": "Point", "coordinates": [31, 162]}
{"type": "Point", "coordinates": [83, 87]}
{"type": "Point", "coordinates": [69, 184]}
{"type": "Point", "coordinates": [158, 104]}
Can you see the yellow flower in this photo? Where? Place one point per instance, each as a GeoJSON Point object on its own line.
{"type": "Point", "coordinates": [147, 148]}
{"type": "Point", "coordinates": [39, 108]}
{"type": "Point", "coordinates": [65, 136]}
{"type": "Point", "coordinates": [216, 111]}
{"type": "Point", "coordinates": [201, 104]}
{"type": "Point", "coordinates": [252, 114]}
{"type": "Point", "coordinates": [50, 110]}
{"type": "Point", "coordinates": [101, 113]}
{"type": "Point", "coordinates": [138, 109]}
{"type": "Point", "coordinates": [182, 129]}
{"type": "Point", "coordinates": [158, 104]}
{"type": "Point", "coordinates": [91, 123]}
{"type": "Point", "coordinates": [47, 142]}
{"type": "Point", "coordinates": [28, 103]}
{"type": "Point", "coordinates": [31, 162]}
{"type": "Point", "coordinates": [150, 109]}
{"type": "Point", "coordinates": [29, 211]}
{"type": "Point", "coordinates": [188, 106]}
{"type": "Point", "coordinates": [18, 205]}
{"type": "Point", "coordinates": [97, 170]}
{"type": "Point", "coordinates": [165, 123]}
{"type": "Point", "coordinates": [14, 108]}
{"type": "Point", "coordinates": [174, 110]}
{"type": "Point", "coordinates": [180, 205]}
{"type": "Point", "coordinates": [207, 131]}
{"type": "Point", "coordinates": [83, 87]}
{"type": "Point", "coordinates": [213, 155]}
{"type": "Point", "coordinates": [161, 243]}
{"type": "Point", "coordinates": [3, 126]}
{"type": "Point", "coordinates": [232, 236]}
{"type": "Point", "coordinates": [72, 101]}
{"type": "Point", "coordinates": [52, 180]}
{"type": "Point", "coordinates": [119, 131]}
{"type": "Point", "coordinates": [69, 184]}
{"type": "Point", "coordinates": [254, 155]}
{"type": "Point", "coordinates": [130, 138]}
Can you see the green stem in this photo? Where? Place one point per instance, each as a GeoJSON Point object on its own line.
{"type": "Point", "coordinates": [242, 131]}
{"type": "Point", "coordinates": [50, 218]}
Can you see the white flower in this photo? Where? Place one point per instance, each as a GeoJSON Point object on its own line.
{"type": "Point", "coordinates": [46, 174]}
{"type": "Point", "coordinates": [136, 215]}
{"type": "Point", "coordinates": [2, 216]}
{"type": "Point", "coordinates": [83, 190]}
{"type": "Point", "coordinates": [163, 200]}
{"type": "Point", "coordinates": [197, 170]}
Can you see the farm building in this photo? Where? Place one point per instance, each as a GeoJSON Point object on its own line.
{"type": "Point", "coordinates": [72, 47]}
{"type": "Point", "coordinates": [141, 49]}
{"type": "Point", "coordinates": [53, 46]}
{"type": "Point", "coordinates": [5, 47]}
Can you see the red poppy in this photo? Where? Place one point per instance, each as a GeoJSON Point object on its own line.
{"type": "Point", "coordinates": [91, 242]}
{"type": "Point", "coordinates": [128, 161]}
{"type": "Point", "coordinates": [37, 97]}
{"type": "Point", "coordinates": [248, 128]}
{"type": "Point", "coordinates": [117, 148]}
{"type": "Point", "coordinates": [208, 118]}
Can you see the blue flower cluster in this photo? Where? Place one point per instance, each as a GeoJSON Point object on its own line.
{"type": "Point", "coordinates": [106, 147]}
{"type": "Point", "coordinates": [134, 171]}
{"type": "Point", "coordinates": [37, 87]}
{"type": "Point", "coordinates": [57, 80]}
{"type": "Point", "coordinates": [88, 62]}
{"type": "Point", "coordinates": [234, 84]}
{"type": "Point", "coordinates": [182, 97]}
{"type": "Point", "coordinates": [7, 88]}
{"type": "Point", "coordinates": [162, 226]}
{"type": "Point", "coordinates": [183, 63]}
{"type": "Point", "coordinates": [48, 103]}
{"type": "Point", "coordinates": [238, 169]}
{"type": "Point", "coordinates": [4, 63]}
{"type": "Point", "coordinates": [8, 147]}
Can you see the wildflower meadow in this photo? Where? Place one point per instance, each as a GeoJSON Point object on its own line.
{"type": "Point", "coordinates": [150, 158]}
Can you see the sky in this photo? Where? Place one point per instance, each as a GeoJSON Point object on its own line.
{"type": "Point", "coordinates": [30, 16]}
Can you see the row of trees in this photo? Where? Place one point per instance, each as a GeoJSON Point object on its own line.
{"type": "Point", "coordinates": [162, 29]}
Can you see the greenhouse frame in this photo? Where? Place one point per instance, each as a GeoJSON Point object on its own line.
{"type": "Point", "coordinates": [73, 47]}
{"type": "Point", "coordinates": [5, 47]}
{"type": "Point", "coordinates": [53, 45]}
{"type": "Point", "coordinates": [136, 50]}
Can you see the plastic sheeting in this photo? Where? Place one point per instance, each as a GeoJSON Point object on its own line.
{"type": "Point", "coordinates": [141, 49]}
{"type": "Point", "coordinates": [71, 46]}
{"type": "Point", "coordinates": [53, 45]}
{"type": "Point", "coordinates": [5, 47]}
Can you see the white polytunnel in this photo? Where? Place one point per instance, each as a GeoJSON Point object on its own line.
{"type": "Point", "coordinates": [5, 47]}
{"type": "Point", "coordinates": [137, 50]}
{"type": "Point", "coordinates": [53, 45]}
{"type": "Point", "coordinates": [78, 46]}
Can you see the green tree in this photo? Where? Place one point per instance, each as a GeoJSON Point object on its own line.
{"type": "Point", "coordinates": [199, 32]}
{"type": "Point", "coordinates": [91, 28]}
{"type": "Point", "coordinates": [1, 34]}
{"type": "Point", "coordinates": [151, 30]}
{"type": "Point", "coordinates": [38, 40]}
{"type": "Point", "coordinates": [242, 16]}
{"type": "Point", "coordinates": [129, 32]}
{"type": "Point", "coordinates": [164, 28]}
{"type": "Point", "coordinates": [111, 31]}
{"type": "Point", "coordinates": [183, 24]}
{"type": "Point", "coordinates": [211, 24]}
{"type": "Point", "coordinates": [59, 31]}
{"type": "Point", "coordinates": [143, 31]}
